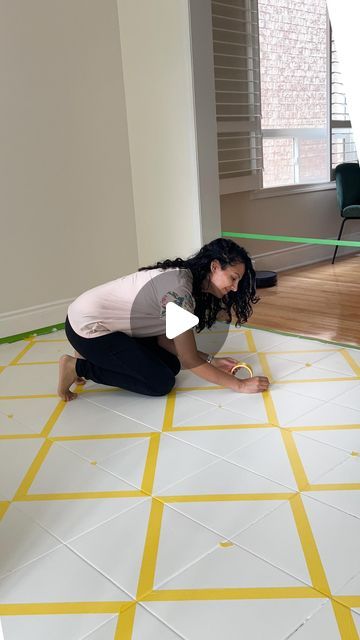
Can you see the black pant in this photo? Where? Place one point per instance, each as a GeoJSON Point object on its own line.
{"type": "Point", "coordinates": [119, 360]}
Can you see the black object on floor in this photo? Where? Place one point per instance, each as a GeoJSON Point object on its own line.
{"type": "Point", "coordinates": [266, 279]}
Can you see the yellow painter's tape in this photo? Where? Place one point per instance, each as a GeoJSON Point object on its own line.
{"type": "Point", "coordinates": [242, 365]}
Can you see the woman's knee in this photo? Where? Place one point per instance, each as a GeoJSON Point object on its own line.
{"type": "Point", "coordinates": [177, 367]}
{"type": "Point", "coordinates": [164, 386]}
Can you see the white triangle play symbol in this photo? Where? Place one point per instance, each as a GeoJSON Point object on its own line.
{"type": "Point", "coordinates": [178, 320]}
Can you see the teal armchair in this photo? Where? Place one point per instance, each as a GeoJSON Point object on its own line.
{"type": "Point", "coordinates": [347, 176]}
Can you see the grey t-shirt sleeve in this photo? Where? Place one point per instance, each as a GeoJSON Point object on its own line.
{"type": "Point", "coordinates": [180, 293]}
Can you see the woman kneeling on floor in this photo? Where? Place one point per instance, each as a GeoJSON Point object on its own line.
{"type": "Point", "coordinates": [118, 329]}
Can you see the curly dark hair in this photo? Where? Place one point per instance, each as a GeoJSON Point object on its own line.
{"type": "Point", "coordinates": [227, 252]}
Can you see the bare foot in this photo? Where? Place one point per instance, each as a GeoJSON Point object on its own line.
{"type": "Point", "coordinates": [79, 380]}
{"type": "Point", "coordinates": [67, 377]}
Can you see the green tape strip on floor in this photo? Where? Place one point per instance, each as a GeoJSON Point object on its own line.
{"type": "Point", "coordinates": [291, 334]}
{"type": "Point", "coordinates": [30, 334]}
{"type": "Point", "coordinates": [298, 240]}
{"type": "Point", "coordinates": [302, 337]}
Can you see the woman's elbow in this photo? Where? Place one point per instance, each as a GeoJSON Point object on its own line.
{"type": "Point", "coordinates": [191, 362]}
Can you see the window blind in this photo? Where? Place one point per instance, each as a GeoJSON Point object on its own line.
{"type": "Point", "coordinates": [237, 86]}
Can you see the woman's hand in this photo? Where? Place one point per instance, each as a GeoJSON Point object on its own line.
{"type": "Point", "coordinates": [253, 385]}
{"type": "Point", "coordinates": [224, 364]}
{"type": "Point", "coordinates": [258, 384]}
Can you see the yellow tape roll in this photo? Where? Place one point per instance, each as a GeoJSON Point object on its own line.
{"type": "Point", "coordinates": [242, 365]}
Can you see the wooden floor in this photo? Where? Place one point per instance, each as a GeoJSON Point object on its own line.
{"type": "Point", "coordinates": [319, 300]}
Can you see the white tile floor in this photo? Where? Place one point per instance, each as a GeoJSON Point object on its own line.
{"type": "Point", "coordinates": [199, 515]}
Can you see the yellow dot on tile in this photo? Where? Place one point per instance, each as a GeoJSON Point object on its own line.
{"type": "Point", "coordinates": [93, 462]}
{"type": "Point", "coordinates": [355, 453]}
{"type": "Point", "coordinates": [225, 544]}
{"type": "Point", "coordinates": [308, 364]}
{"type": "Point", "coordinates": [10, 415]}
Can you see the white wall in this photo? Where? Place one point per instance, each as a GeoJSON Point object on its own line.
{"type": "Point", "coordinates": [158, 76]}
{"type": "Point", "coordinates": [67, 215]}
{"type": "Point", "coordinates": [205, 117]}
{"type": "Point", "coordinates": [312, 214]}
{"type": "Point", "coordinates": [108, 157]}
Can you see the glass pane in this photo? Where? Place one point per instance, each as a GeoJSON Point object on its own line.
{"type": "Point", "coordinates": [293, 161]}
{"type": "Point", "coordinates": [293, 59]}
{"type": "Point", "coordinates": [313, 161]}
{"type": "Point", "coordinates": [343, 147]}
{"type": "Point", "coordinates": [278, 157]}
{"type": "Point", "coordinates": [339, 110]}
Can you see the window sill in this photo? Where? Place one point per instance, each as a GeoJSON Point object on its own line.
{"type": "Point", "coordinates": [274, 192]}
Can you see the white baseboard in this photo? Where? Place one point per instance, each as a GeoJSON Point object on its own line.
{"type": "Point", "coordinates": [32, 318]}
{"type": "Point", "coordinates": [302, 254]}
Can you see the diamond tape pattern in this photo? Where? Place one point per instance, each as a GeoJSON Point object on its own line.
{"type": "Point", "coordinates": [128, 517]}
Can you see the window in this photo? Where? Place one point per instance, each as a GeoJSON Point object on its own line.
{"type": "Point", "coordinates": [342, 142]}
{"type": "Point", "coordinates": [281, 108]}
{"type": "Point", "coordinates": [293, 63]}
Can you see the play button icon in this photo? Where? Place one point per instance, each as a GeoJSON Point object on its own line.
{"type": "Point", "coordinates": [178, 320]}
{"type": "Point", "coordinates": [164, 306]}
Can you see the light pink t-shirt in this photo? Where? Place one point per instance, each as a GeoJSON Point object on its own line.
{"type": "Point", "coordinates": [134, 304]}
